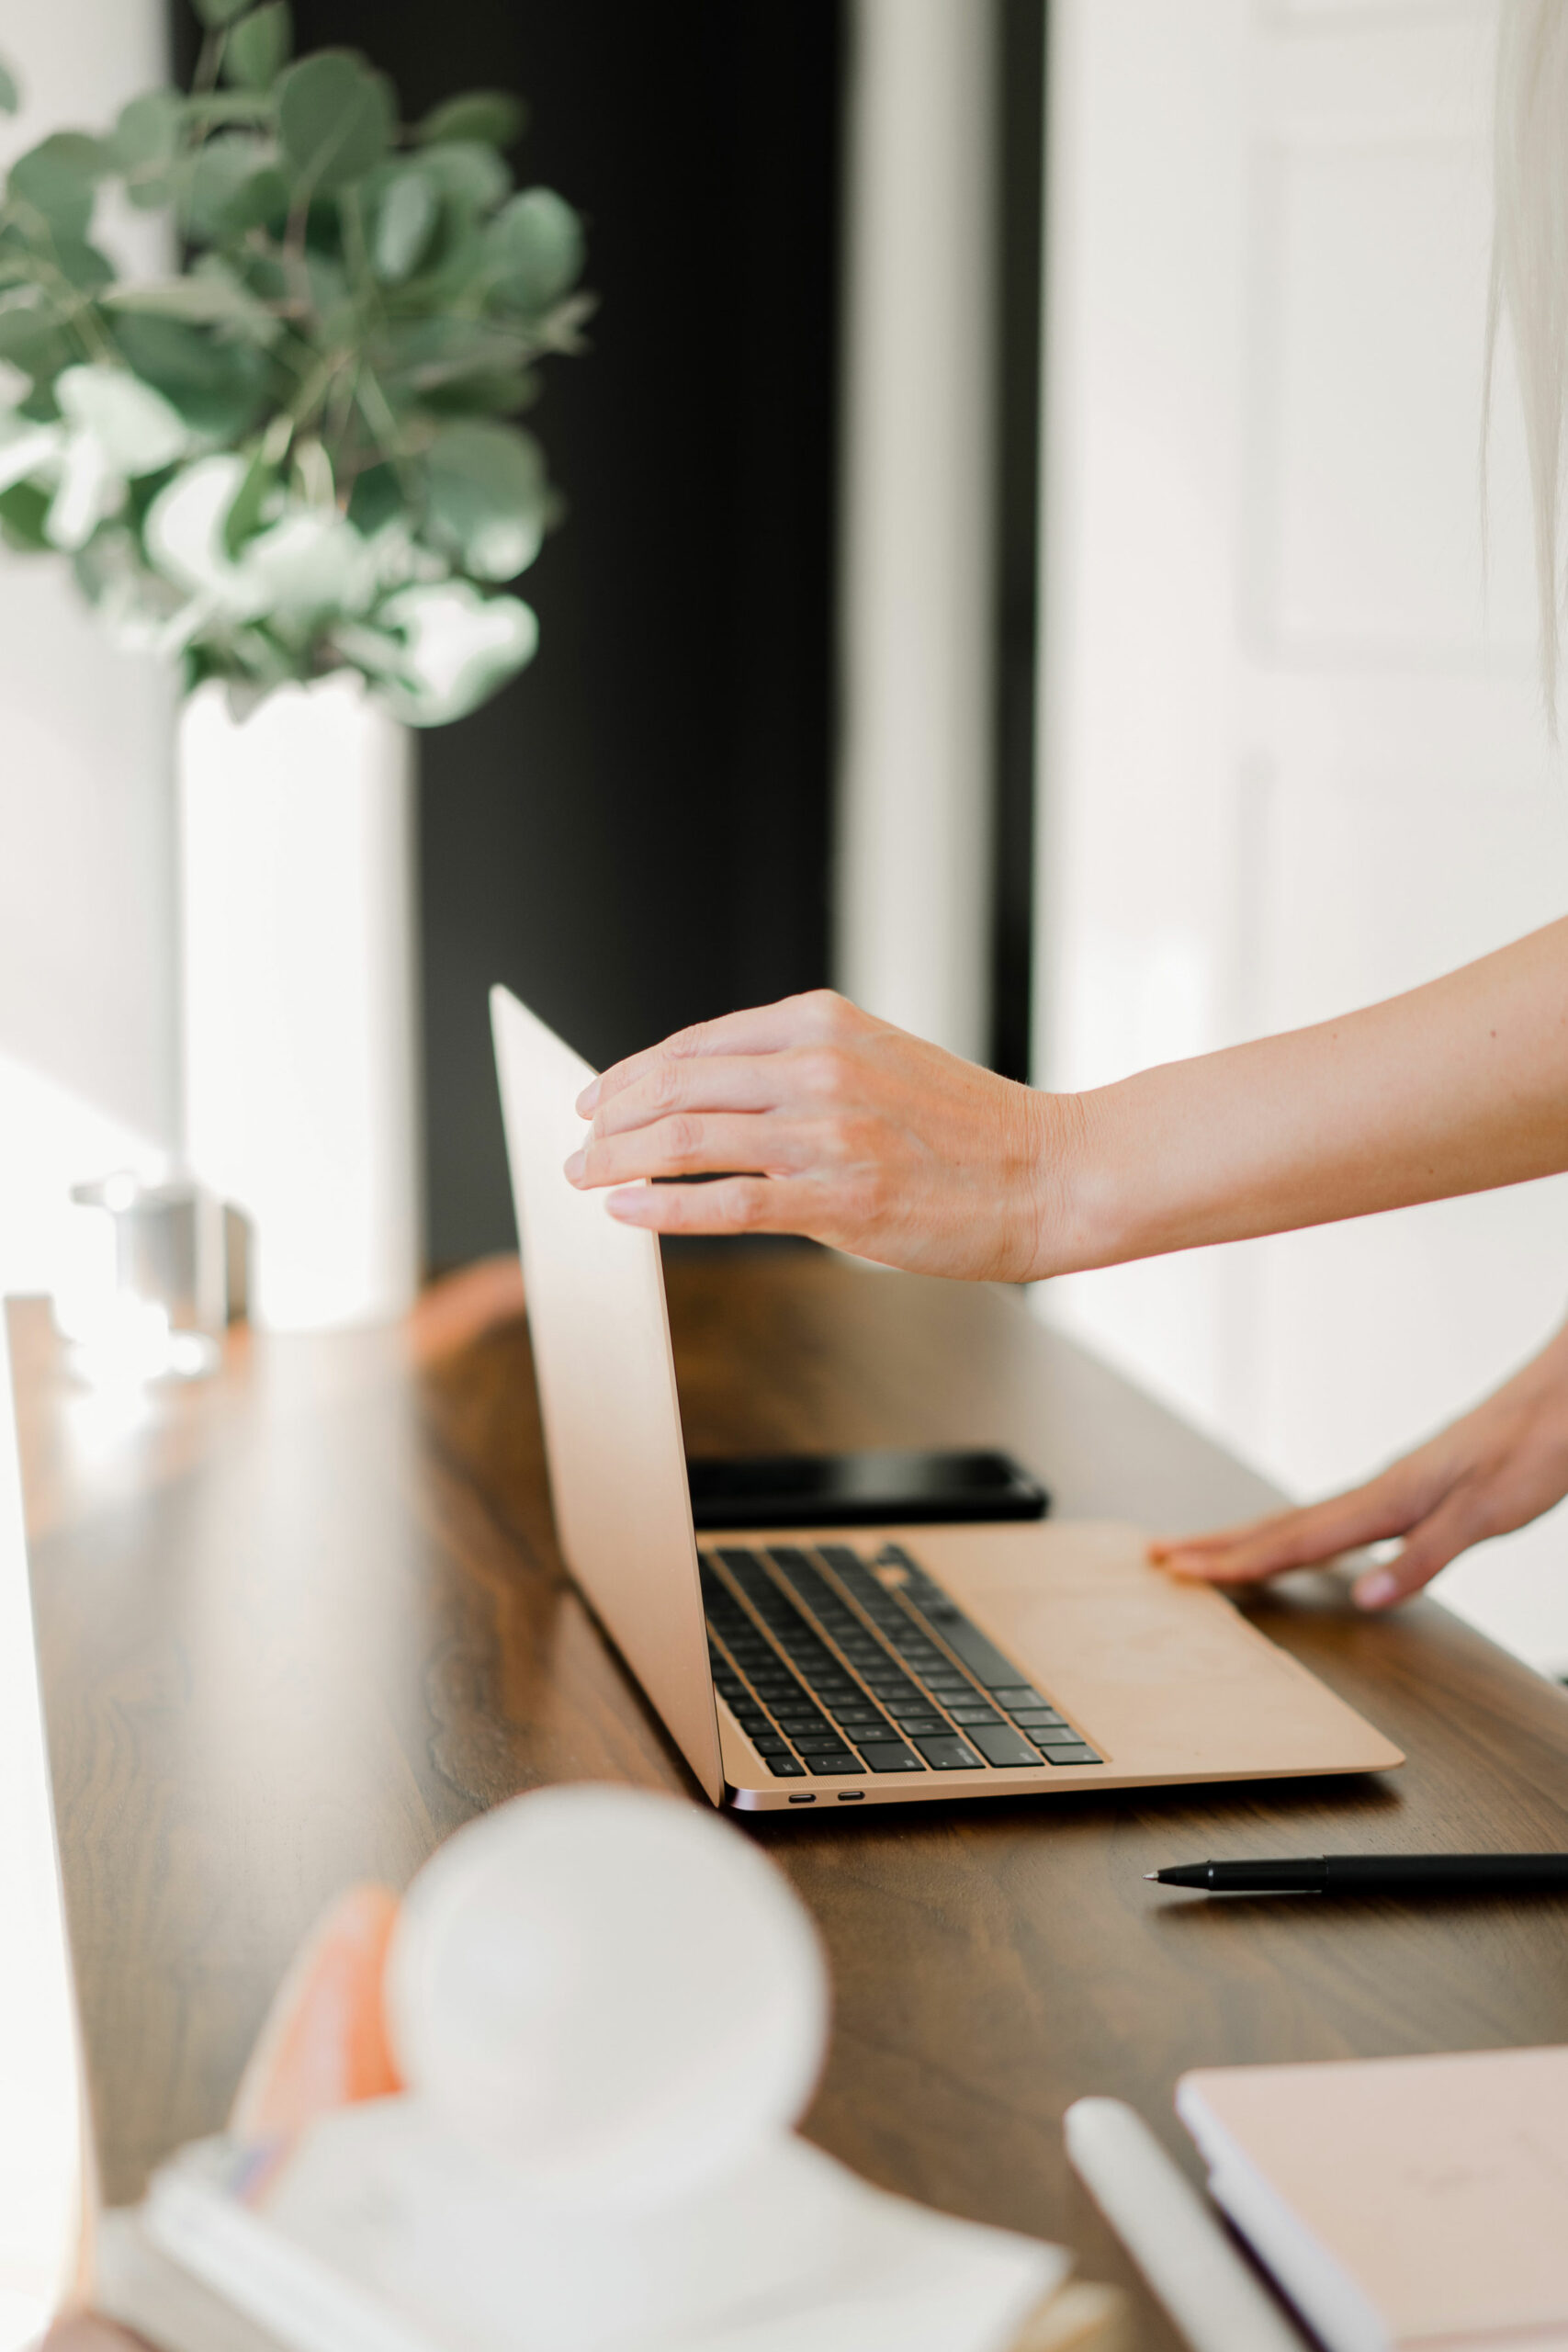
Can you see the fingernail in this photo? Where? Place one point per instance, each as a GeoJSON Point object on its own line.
{"type": "Point", "coordinates": [1181, 1564]}
{"type": "Point", "coordinates": [575, 1166]}
{"type": "Point", "coordinates": [1376, 1592]}
{"type": "Point", "coordinates": [631, 1206]}
{"type": "Point", "coordinates": [588, 1097]}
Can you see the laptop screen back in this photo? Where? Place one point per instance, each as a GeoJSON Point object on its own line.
{"type": "Point", "coordinates": [607, 1377]}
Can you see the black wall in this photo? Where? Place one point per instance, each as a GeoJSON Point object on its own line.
{"type": "Point", "coordinates": [635, 834]}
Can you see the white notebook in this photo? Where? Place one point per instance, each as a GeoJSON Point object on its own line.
{"type": "Point", "coordinates": [1403, 2204]}
{"type": "Point", "coordinates": [340, 2267]}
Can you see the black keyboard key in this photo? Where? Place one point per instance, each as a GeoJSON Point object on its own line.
{"type": "Point", "coordinates": [1017, 1694]}
{"type": "Point", "coordinates": [768, 1743]}
{"type": "Point", "coordinates": [982, 1659]}
{"type": "Point", "coordinates": [1056, 1736]}
{"type": "Point", "coordinates": [1036, 1718]}
{"type": "Point", "coordinates": [786, 1768]}
{"type": "Point", "coordinates": [1079, 1755]}
{"type": "Point", "coordinates": [890, 1756]}
{"type": "Point", "coordinates": [948, 1754]}
{"type": "Point", "coordinates": [845, 1761]}
{"type": "Point", "coordinates": [962, 1714]}
{"type": "Point", "coordinates": [1004, 1747]}
{"type": "Point", "coordinates": [813, 1743]}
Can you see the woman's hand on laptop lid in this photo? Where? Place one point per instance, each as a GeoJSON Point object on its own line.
{"type": "Point", "coordinates": [1496, 1469]}
{"type": "Point", "coordinates": [846, 1129]}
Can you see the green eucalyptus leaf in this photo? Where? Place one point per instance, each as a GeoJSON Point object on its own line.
{"type": "Point", "coordinates": [136, 428]}
{"type": "Point", "coordinates": [22, 511]}
{"type": "Point", "coordinates": [216, 108]}
{"type": "Point", "coordinates": [220, 388]}
{"type": "Point", "coordinates": [146, 135]}
{"type": "Point", "coordinates": [458, 649]}
{"type": "Point", "coordinates": [151, 191]}
{"type": "Point", "coordinates": [215, 13]}
{"type": "Point", "coordinates": [260, 46]}
{"type": "Point", "coordinates": [235, 186]}
{"type": "Point", "coordinates": [10, 96]}
{"type": "Point", "coordinates": [491, 117]}
{"type": "Point", "coordinates": [332, 298]}
{"type": "Point", "coordinates": [472, 174]}
{"type": "Point", "coordinates": [88, 488]}
{"type": "Point", "coordinates": [27, 448]}
{"type": "Point", "coordinates": [259, 202]}
{"type": "Point", "coordinates": [421, 355]}
{"type": "Point", "coordinates": [59, 178]}
{"type": "Point", "coordinates": [375, 500]}
{"type": "Point", "coordinates": [534, 248]}
{"type": "Point", "coordinates": [308, 564]}
{"type": "Point", "coordinates": [336, 119]}
{"type": "Point", "coordinates": [84, 265]}
{"type": "Point", "coordinates": [405, 223]}
{"type": "Point", "coordinates": [183, 532]}
{"type": "Point", "coordinates": [244, 516]}
{"type": "Point", "coordinates": [211, 296]}
{"type": "Point", "coordinates": [33, 337]}
{"type": "Point", "coordinates": [500, 394]}
{"type": "Point", "coordinates": [487, 496]}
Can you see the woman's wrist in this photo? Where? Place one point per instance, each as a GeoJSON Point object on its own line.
{"type": "Point", "coordinates": [1113, 1188]}
{"type": "Point", "coordinates": [1068, 1202]}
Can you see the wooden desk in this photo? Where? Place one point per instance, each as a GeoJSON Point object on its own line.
{"type": "Point", "coordinates": [299, 1622]}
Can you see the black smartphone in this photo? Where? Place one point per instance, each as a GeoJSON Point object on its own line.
{"type": "Point", "coordinates": [875, 1489]}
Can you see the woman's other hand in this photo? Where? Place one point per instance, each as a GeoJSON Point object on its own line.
{"type": "Point", "coordinates": [812, 1117]}
{"type": "Point", "coordinates": [1497, 1468]}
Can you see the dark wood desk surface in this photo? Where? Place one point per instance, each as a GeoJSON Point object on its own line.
{"type": "Point", "coordinates": [299, 1622]}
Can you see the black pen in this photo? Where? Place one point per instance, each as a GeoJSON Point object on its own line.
{"type": "Point", "coordinates": [1377, 1874]}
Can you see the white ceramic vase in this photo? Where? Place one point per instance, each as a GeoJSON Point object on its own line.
{"type": "Point", "coordinates": [299, 995]}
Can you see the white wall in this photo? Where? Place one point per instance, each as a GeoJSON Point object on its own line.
{"type": "Point", "coordinates": [1291, 751]}
{"type": "Point", "coordinates": [913, 862]}
{"type": "Point", "coordinates": [88, 1075]}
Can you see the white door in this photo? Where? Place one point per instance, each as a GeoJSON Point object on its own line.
{"type": "Point", "coordinates": [1293, 756]}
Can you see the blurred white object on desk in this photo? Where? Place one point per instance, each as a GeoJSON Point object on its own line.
{"type": "Point", "coordinates": [1171, 2233]}
{"type": "Point", "coordinates": [143, 1294]}
{"type": "Point", "coordinates": [609, 2009]}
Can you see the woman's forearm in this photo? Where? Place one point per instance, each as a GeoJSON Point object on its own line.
{"type": "Point", "coordinates": [1454, 1088]}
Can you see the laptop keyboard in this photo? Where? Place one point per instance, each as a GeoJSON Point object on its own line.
{"type": "Point", "coordinates": [831, 1663]}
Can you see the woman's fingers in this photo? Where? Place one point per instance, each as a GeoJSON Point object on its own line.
{"type": "Point", "coordinates": [1294, 1539]}
{"type": "Point", "coordinates": [1450, 1530]}
{"type": "Point", "coordinates": [731, 1204]}
{"type": "Point", "coordinates": [85, 2332]}
{"type": "Point", "coordinates": [692, 1144]}
{"type": "Point", "coordinates": [762, 1029]}
{"type": "Point", "coordinates": [710, 1083]}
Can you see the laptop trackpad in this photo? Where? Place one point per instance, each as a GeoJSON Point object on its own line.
{"type": "Point", "coordinates": [1162, 1676]}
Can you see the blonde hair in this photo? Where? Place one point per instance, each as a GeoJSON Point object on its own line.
{"type": "Point", "coordinates": [1529, 273]}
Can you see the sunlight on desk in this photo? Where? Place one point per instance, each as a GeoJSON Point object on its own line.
{"type": "Point", "coordinates": [41, 2096]}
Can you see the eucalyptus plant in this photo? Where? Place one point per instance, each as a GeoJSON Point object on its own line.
{"type": "Point", "coordinates": [297, 451]}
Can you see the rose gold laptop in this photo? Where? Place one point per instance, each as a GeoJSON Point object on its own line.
{"type": "Point", "coordinates": [827, 1667]}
